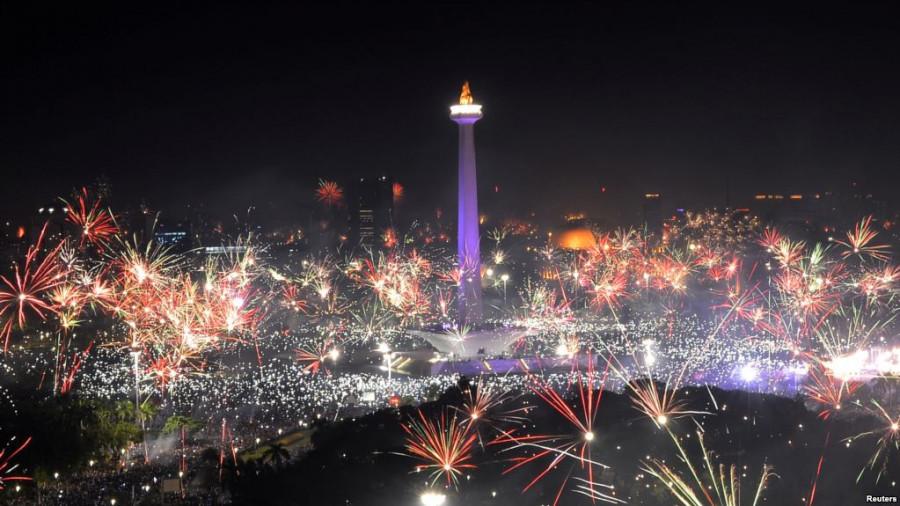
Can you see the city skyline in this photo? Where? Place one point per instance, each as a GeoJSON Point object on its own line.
{"type": "Point", "coordinates": [261, 254]}
{"type": "Point", "coordinates": [237, 107]}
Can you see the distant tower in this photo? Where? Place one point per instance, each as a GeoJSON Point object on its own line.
{"type": "Point", "coordinates": [371, 203]}
{"type": "Point", "coordinates": [465, 114]}
{"type": "Point", "coordinates": [652, 216]}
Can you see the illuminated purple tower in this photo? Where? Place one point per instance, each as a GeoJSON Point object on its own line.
{"type": "Point", "coordinates": [465, 114]}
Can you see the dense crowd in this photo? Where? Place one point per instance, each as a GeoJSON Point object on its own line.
{"type": "Point", "coordinates": [277, 392]}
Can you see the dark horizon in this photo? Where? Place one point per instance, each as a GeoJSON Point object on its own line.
{"type": "Point", "coordinates": [229, 106]}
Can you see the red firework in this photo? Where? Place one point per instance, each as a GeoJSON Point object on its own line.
{"type": "Point", "coordinates": [483, 404]}
{"type": "Point", "coordinates": [879, 282]}
{"type": "Point", "coordinates": [444, 445]}
{"type": "Point", "coordinates": [315, 357]}
{"type": "Point", "coordinates": [770, 239]}
{"type": "Point", "coordinates": [292, 299]}
{"type": "Point", "coordinates": [97, 225]}
{"type": "Point", "coordinates": [725, 270]}
{"type": "Point", "coordinates": [25, 291]}
{"type": "Point", "coordinates": [6, 465]}
{"type": "Point", "coordinates": [329, 193]}
{"type": "Point", "coordinates": [888, 442]}
{"type": "Point", "coordinates": [670, 273]}
{"type": "Point", "coordinates": [607, 291]}
{"type": "Point", "coordinates": [398, 191]}
{"type": "Point", "coordinates": [452, 276]}
{"type": "Point", "coordinates": [810, 297]}
{"type": "Point", "coordinates": [859, 242]}
{"type": "Point", "coordinates": [555, 449]}
{"type": "Point", "coordinates": [788, 253]}
{"type": "Point", "coordinates": [390, 238]}
{"type": "Point", "coordinates": [825, 389]}
{"type": "Point", "coordinates": [77, 362]}
{"type": "Point", "coordinates": [163, 370]}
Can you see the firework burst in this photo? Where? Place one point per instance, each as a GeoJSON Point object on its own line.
{"type": "Point", "coordinates": [315, 357]}
{"type": "Point", "coordinates": [829, 392]}
{"type": "Point", "coordinates": [888, 442]}
{"type": "Point", "coordinates": [555, 449]}
{"type": "Point", "coordinates": [25, 292]}
{"type": "Point", "coordinates": [722, 485]}
{"type": "Point", "coordinates": [444, 445]}
{"type": "Point", "coordinates": [859, 242]}
{"type": "Point", "coordinates": [484, 404]}
{"type": "Point", "coordinates": [96, 225]}
{"type": "Point", "coordinates": [329, 193]}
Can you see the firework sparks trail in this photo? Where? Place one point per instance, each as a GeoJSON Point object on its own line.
{"type": "Point", "coordinates": [483, 405]}
{"type": "Point", "coordinates": [96, 225]}
{"type": "Point", "coordinates": [659, 403]}
{"type": "Point", "coordinates": [172, 319]}
{"type": "Point", "coordinates": [829, 303]}
{"type": "Point", "coordinates": [315, 357]}
{"type": "Point", "coordinates": [827, 390]}
{"type": "Point", "coordinates": [847, 343]}
{"type": "Point", "coordinates": [725, 485]}
{"type": "Point", "coordinates": [77, 361]}
{"type": "Point", "coordinates": [831, 393]}
{"type": "Point", "coordinates": [859, 242]}
{"type": "Point", "coordinates": [581, 419]}
{"type": "Point", "coordinates": [445, 445]}
{"type": "Point", "coordinates": [293, 300]}
{"type": "Point", "coordinates": [226, 445]}
{"type": "Point", "coordinates": [607, 291]}
{"type": "Point", "coordinates": [7, 467]}
{"type": "Point", "coordinates": [888, 441]}
{"type": "Point", "coordinates": [878, 282]}
{"type": "Point", "coordinates": [815, 483]}
{"type": "Point", "coordinates": [24, 291]}
{"type": "Point", "coordinates": [396, 280]}
{"type": "Point", "coordinates": [596, 491]}
{"type": "Point", "coordinates": [329, 193]}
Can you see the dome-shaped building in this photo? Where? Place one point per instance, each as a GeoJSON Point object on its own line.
{"type": "Point", "coordinates": [576, 235]}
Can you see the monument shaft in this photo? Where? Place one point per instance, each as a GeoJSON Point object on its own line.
{"type": "Point", "coordinates": [468, 238]}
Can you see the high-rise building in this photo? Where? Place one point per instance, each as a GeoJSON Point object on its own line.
{"type": "Point", "coordinates": [820, 212]}
{"type": "Point", "coordinates": [371, 202]}
{"type": "Point", "coordinates": [173, 235]}
{"type": "Point", "coordinates": [465, 114]}
{"type": "Point", "coordinates": [652, 214]}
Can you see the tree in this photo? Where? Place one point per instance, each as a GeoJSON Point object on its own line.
{"type": "Point", "coordinates": [115, 426]}
{"type": "Point", "coordinates": [177, 422]}
{"type": "Point", "coordinates": [67, 432]}
{"type": "Point", "coordinates": [146, 412]}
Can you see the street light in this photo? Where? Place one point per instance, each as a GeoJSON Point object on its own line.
{"type": "Point", "coordinates": [385, 351]}
{"type": "Point", "coordinates": [504, 277]}
{"type": "Point", "coordinates": [433, 499]}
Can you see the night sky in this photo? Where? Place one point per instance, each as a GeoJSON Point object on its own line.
{"type": "Point", "coordinates": [231, 105]}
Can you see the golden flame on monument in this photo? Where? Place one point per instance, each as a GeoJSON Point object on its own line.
{"type": "Point", "coordinates": [465, 96]}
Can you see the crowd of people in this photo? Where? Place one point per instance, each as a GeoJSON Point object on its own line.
{"type": "Point", "coordinates": [249, 395]}
{"type": "Point", "coordinates": [278, 393]}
